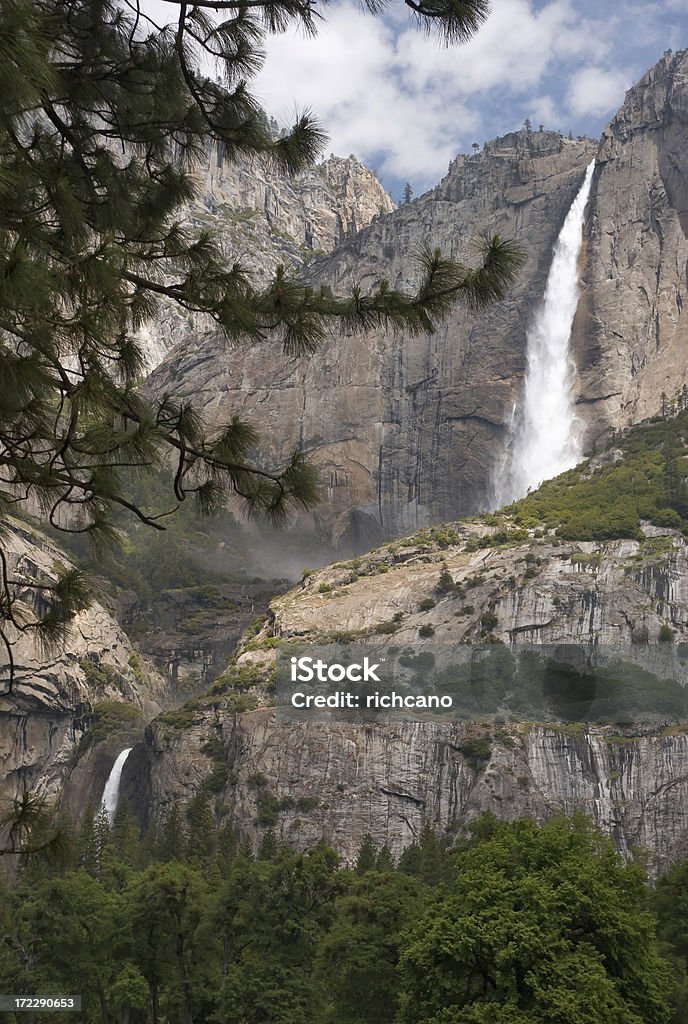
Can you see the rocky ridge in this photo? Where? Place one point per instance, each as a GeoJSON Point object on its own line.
{"type": "Point", "coordinates": [407, 432]}
{"type": "Point", "coordinates": [263, 217]}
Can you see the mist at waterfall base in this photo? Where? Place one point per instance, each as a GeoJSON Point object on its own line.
{"type": "Point", "coordinates": [111, 791]}
{"type": "Point", "coordinates": [545, 436]}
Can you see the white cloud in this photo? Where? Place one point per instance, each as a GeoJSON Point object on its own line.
{"type": "Point", "coordinates": [397, 96]}
{"type": "Point", "coordinates": [595, 91]}
{"type": "Point", "coordinates": [543, 110]}
{"type": "Point", "coordinates": [515, 47]}
{"type": "Point", "coordinates": [353, 77]}
{"type": "Point", "coordinates": [406, 104]}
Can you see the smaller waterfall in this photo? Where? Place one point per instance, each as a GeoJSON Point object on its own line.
{"type": "Point", "coordinates": [111, 791]}
{"type": "Point", "coordinates": [545, 436]}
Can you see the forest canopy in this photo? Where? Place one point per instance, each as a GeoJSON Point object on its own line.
{"type": "Point", "coordinates": [516, 923]}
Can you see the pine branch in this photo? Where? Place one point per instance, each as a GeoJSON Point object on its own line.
{"type": "Point", "coordinates": [105, 114]}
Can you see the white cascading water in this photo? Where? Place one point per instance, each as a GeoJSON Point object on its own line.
{"type": "Point", "coordinates": [546, 437]}
{"type": "Point", "coordinates": [111, 791]}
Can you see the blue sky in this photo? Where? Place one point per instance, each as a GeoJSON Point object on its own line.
{"type": "Point", "coordinates": [406, 104]}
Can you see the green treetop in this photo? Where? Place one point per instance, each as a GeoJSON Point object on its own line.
{"type": "Point", "coordinates": [541, 925]}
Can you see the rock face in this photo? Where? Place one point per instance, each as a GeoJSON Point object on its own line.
{"type": "Point", "coordinates": [576, 593]}
{"type": "Point", "coordinates": [264, 218]}
{"type": "Point", "coordinates": [288, 217]}
{"type": "Point", "coordinates": [408, 431]}
{"type": "Point", "coordinates": [341, 780]}
{"type": "Point", "coordinates": [404, 430]}
{"type": "Point", "coordinates": [631, 333]}
{"type": "Point", "coordinates": [46, 722]}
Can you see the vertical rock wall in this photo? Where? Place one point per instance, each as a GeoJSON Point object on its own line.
{"type": "Point", "coordinates": [631, 335]}
{"type": "Point", "coordinates": [405, 430]}
{"type": "Point", "coordinates": [341, 782]}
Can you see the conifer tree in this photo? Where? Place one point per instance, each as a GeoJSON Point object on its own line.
{"type": "Point", "coordinates": [27, 828]}
{"type": "Point", "coordinates": [384, 860]}
{"type": "Point", "coordinates": [202, 840]}
{"type": "Point", "coordinates": [445, 583]}
{"type": "Point", "coordinates": [125, 835]}
{"type": "Point", "coordinates": [172, 837]}
{"type": "Point", "coordinates": [104, 117]}
{"type": "Point", "coordinates": [367, 855]}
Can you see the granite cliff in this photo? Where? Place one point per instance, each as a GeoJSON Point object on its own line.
{"type": "Point", "coordinates": [70, 710]}
{"type": "Point", "coordinates": [407, 432]}
{"type": "Point", "coordinates": [608, 619]}
{"type": "Point", "coordinates": [263, 217]}
{"type": "Point", "coordinates": [339, 779]}
{"type": "Point", "coordinates": [69, 713]}
{"type": "Point", "coordinates": [631, 331]}
{"type": "Point", "coordinates": [342, 781]}
{"type": "Point", "coordinates": [404, 430]}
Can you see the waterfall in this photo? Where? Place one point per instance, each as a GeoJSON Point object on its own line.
{"type": "Point", "coordinates": [545, 438]}
{"type": "Point", "coordinates": [111, 791]}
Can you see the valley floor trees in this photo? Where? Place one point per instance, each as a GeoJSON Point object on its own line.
{"type": "Point", "coordinates": [519, 924]}
{"type": "Point", "coordinates": [104, 115]}
{"type": "Point", "coordinates": [542, 924]}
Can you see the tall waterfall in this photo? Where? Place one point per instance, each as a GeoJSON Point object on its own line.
{"type": "Point", "coordinates": [111, 791]}
{"type": "Point", "coordinates": [545, 437]}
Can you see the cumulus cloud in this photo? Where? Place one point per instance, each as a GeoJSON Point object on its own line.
{"type": "Point", "coordinates": [394, 95]}
{"type": "Point", "coordinates": [367, 98]}
{"type": "Point", "coordinates": [406, 104]}
{"type": "Point", "coordinates": [543, 110]}
{"type": "Point", "coordinates": [594, 91]}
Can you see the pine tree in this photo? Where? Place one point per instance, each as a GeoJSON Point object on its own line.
{"type": "Point", "coordinates": [104, 118]}
{"type": "Point", "coordinates": [172, 837]}
{"type": "Point", "coordinates": [27, 828]}
{"type": "Point", "coordinates": [445, 584]}
{"type": "Point", "coordinates": [95, 835]}
{"type": "Point", "coordinates": [125, 836]}
{"type": "Point", "coordinates": [408, 193]}
{"type": "Point", "coordinates": [384, 860]}
{"type": "Point", "coordinates": [367, 855]}
{"type": "Point", "coordinates": [202, 841]}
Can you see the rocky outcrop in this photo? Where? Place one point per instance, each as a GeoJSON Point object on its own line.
{"type": "Point", "coordinates": [404, 430]}
{"type": "Point", "coordinates": [307, 777]}
{"type": "Point", "coordinates": [631, 332]}
{"type": "Point", "coordinates": [284, 218]}
{"type": "Point", "coordinates": [70, 710]}
{"type": "Point", "coordinates": [263, 217]}
{"type": "Point", "coordinates": [546, 592]}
